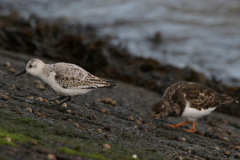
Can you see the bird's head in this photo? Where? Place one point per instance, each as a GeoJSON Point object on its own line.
{"type": "Point", "coordinates": [34, 66]}
{"type": "Point", "coordinates": [160, 109]}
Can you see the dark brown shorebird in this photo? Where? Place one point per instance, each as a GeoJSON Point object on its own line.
{"type": "Point", "coordinates": [189, 100]}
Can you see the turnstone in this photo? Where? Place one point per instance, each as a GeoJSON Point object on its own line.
{"type": "Point", "coordinates": [65, 78]}
{"type": "Point", "coordinates": [189, 100]}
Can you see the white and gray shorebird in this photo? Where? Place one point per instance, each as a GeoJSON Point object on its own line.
{"type": "Point", "coordinates": [65, 78]}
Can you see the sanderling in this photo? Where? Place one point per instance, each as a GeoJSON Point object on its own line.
{"type": "Point", "coordinates": [189, 100]}
{"type": "Point", "coordinates": [65, 78]}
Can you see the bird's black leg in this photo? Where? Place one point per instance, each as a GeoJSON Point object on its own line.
{"type": "Point", "coordinates": [59, 98]}
{"type": "Point", "coordinates": [68, 99]}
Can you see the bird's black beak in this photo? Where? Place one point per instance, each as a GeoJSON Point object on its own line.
{"type": "Point", "coordinates": [151, 120]}
{"type": "Point", "coordinates": [21, 73]}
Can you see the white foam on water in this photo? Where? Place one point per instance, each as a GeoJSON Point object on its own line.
{"type": "Point", "coordinates": [203, 35]}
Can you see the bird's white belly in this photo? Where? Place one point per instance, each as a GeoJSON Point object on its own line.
{"type": "Point", "coordinates": [193, 114]}
{"type": "Point", "coordinates": [71, 92]}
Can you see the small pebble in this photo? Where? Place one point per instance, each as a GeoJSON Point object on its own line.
{"type": "Point", "coordinates": [45, 100]}
{"type": "Point", "coordinates": [40, 86]}
{"type": "Point", "coordinates": [87, 105]}
{"type": "Point", "coordinates": [106, 146]}
{"type": "Point", "coordinates": [57, 101]}
{"type": "Point", "coordinates": [30, 97]}
{"type": "Point", "coordinates": [34, 142]}
{"type": "Point", "coordinates": [99, 130]}
{"type": "Point", "coordinates": [106, 100]}
{"type": "Point", "coordinates": [57, 94]}
{"type": "Point", "coordinates": [102, 110]}
{"type": "Point", "coordinates": [178, 158]}
{"type": "Point", "coordinates": [37, 82]}
{"type": "Point", "coordinates": [97, 99]}
{"type": "Point", "coordinates": [12, 70]}
{"type": "Point", "coordinates": [7, 139]}
{"type": "Point", "coordinates": [238, 147]}
{"type": "Point", "coordinates": [51, 157]}
{"type": "Point", "coordinates": [201, 132]}
{"type": "Point", "coordinates": [114, 103]}
{"type": "Point", "coordinates": [225, 139]}
{"type": "Point", "coordinates": [29, 110]}
{"type": "Point", "coordinates": [130, 118]}
{"type": "Point", "coordinates": [146, 130]}
{"type": "Point", "coordinates": [69, 111]}
{"type": "Point", "coordinates": [7, 64]}
{"type": "Point", "coordinates": [237, 155]}
{"type": "Point", "coordinates": [64, 105]}
{"type": "Point", "coordinates": [227, 153]}
{"type": "Point", "coordinates": [40, 99]}
{"type": "Point", "coordinates": [4, 97]}
{"type": "Point", "coordinates": [134, 156]}
{"type": "Point", "coordinates": [135, 127]}
{"type": "Point", "coordinates": [219, 130]}
{"type": "Point", "coordinates": [76, 125]}
{"type": "Point", "coordinates": [217, 148]}
{"type": "Point", "coordinates": [182, 139]}
{"type": "Point", "coordinates": [229, 131]}
{"type": "Point", "coordinates": [218, 136]}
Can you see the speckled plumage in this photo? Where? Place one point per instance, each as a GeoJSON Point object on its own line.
{"type": "Point", "coordinates": [189, 100]}
{"type": "Point", "coordinates": [65, 78]}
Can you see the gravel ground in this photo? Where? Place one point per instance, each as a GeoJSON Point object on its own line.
{"type": "Point", "coordinates": [34, 128]}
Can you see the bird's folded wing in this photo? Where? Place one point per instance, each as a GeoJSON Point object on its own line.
{"type": "Point", "coordinates": [202, 99]}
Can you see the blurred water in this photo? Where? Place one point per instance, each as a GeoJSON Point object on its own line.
{"type": "Point", "coordinates": [204, 35]}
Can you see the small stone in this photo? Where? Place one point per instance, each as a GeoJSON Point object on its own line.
{"type": "Point", "coordinates": [97, 99]}
{"type": "Point", "coordinates": [12, 70]}
{"type": "Point", "coordinates": [219, 130]}
{"type": "Point", "coordinates": [134, 156]}
{"type": "Point", "coordinates": [182, 139]}
{"type": "Point", "coordinates": [232, 147]}
{"type": "Point", "coordinates": [106, 100]}
{"type": "Point", "coordinates": [37, 82]}
{"type": "Point", "coordinates": [218, 136]}
{"type": "Point", "coordinates": [40, 99]}
{"type": "Point", "coordinates": [107, 112]}
{"type": "Point", "coordinates": [201, 132]}
{"type": "Point", "coordinates": [30, 97]}
{"type": "Point", "coordinates": [178, 158]}
{"type": "Point", "coordinates": [51, 157]}
{"type": "Point", "coordinates": [29, 110]}
{"type": "Point", "coordinates": [87, 105]}
{"type": "Point", "coordinates": [76, 125]}
{"type": "Point", "coordinates": [229, 132]}
{"type": "Point", "coordinates": [64, 105]}
{"type": "Point", "coordinates": [102, 110]}
{"type": "Point", "coordinates": [135, 127]}
{"type": "Point", "coordinates": [39, 115]}
{"type": "Point", "coordinates": [225, 139]}
{"type": "Point", "coordinates": [45, 100]}
{"type": "Point", "coordinates": [146, 130]}
{"type": "Point", "coordinates": [7, 64]}
{"type": "Point", "coordinates": [57, 94]}
{"type": "Point", "coordinates": [238, 147]}
{"type": "Point", "coordinates": [69, 111]}
{"type": "Point", "coordinates": [99, 130]}
{"type": "Point", "coordinates": [34, 142]}
{"type": "Point", "coordinates": [4, 97]}
{"type": "Point", "coordinates": [227, 153]}
{"type": "Point", "coordinates": [57, 101]}
{"type": "Point", "coordinates": [217, 148]}
{"type": "Point", "coordinates": [130, 118]}
{"type": "Point", "coordinates": [114, 103]}
{"type": "Point", "coordinates": [237, 155]}
{"type": "Point", "coordinates": [106, 146]}
{"type": "Point", "coordinates": [40, 86]}
{"type": "Point", "coordinates": [7, 139]}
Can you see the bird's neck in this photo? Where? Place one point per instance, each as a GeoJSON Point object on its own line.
{"type": "Point", "coordinates": [174, 110]}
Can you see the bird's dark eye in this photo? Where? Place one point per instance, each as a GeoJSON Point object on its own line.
{"type": "Point", "coordinates": [30, 66]}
